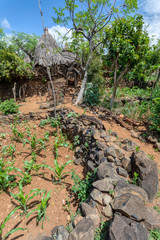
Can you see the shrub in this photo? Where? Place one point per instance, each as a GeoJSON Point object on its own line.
{"type": "Point", "coordinates": [155, 114]}
{"type": "Point", "coordinates": [9, 107]}
{"type": "Point", "coordinates": [96, 83]}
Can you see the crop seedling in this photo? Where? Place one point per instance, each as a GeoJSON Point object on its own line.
{"type": "Point", "coordinates": [9, 150]}
{"type": "Point", "coordinates": [23, 199]}
{"type": "Point", "coordinates": [59, 170]}
{"type": "Point", "coordinates": [32, 166]}
{"type": "Point", "coordinates": [6, 179]}
{"type": "Point", "coordinates": [67, 207]}
{"type": "Point", "coordinates": [2, 226]}
{"type": "Point", "coordinates": [41, 208]}
{"type": "Point", "coordinates": [36, 145]}
{"type": "Point", "coordinates": [17, 136]}
{"type": "Point", "coordinates": [151, 156]}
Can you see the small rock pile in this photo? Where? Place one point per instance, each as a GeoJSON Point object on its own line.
{"type": "Point", "coordinates": [119, 163]}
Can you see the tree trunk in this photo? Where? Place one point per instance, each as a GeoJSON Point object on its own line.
{"type": "Point", "coordinates": [81, 93]}
{"type": "Point", "coordinates": [158, 77]}
{"type": "Point", "coordinates": [116, 81]}
{"type": "Point", "coordinates": [115, 85]}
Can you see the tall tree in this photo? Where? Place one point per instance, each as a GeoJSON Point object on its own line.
{"type": "Point", "coordinates": [89, 18]}
{"type": "Point", "coordinates": [127, 42]}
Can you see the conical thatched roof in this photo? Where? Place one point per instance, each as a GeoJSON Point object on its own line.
{"type": "Point", "coordinates": [68, 55]}
{"type": "Point", "coordinates": [47, 52]}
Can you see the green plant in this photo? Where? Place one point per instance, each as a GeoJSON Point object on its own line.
{"type": "Point", "coordinates": [151, 156]}
{"type": "Point", "coordinates": [9, 150]}
{"type": "Point", "coordinates": [76, 140]}
{"type": "Point", "coordinates": [2, 135]}
{"type": "Point", "coordinates": [17, 136]}
{"type": "Point", "coordinates": [82, 187]}
{"type": "Point", "coordinates": [59, 170]}
{"type": "Point", "coordinates": [154, 234]}
{"type": "Point", "coordinates": [36, 145]}
{"type": "Point", "coordinates": [101, 232]}
{"type": "Point", "coordinates": [67, 207]}
{"type": "Point", "coordinates": [135, 178]}
{"type": "Point", "coordinates": [72, 114]}
{"type": "Point", "coordinates": [23, 199]}
{"type": "Point", "coordinates": [6, 178]}
{"type": "Point", "coordinates": [111, 192]}
{"type": "Point", "coordinates": [2, 226]}
{"type": "Point", "coordinates": [155, 114]}
{"type": "Point", "coordinates": [157, 208]}
{"type": "Point", "coordinates": [158, 195]}
{"type": "Point", "coordinates": [137, 148]}
{"type": "Point", "coordinates": [9, 107]}
{"type": "Point", "coordinates": [32, 166]}
{"type": "Point", "coordinates": [41, 208]}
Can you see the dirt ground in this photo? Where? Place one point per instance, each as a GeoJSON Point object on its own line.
{"type": "Point", "coordinates": [55, 212]}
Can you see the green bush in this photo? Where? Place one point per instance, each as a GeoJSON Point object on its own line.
{"type": "Point", "coordinates": [9, 107]}
{"type": "Point", "coordinates": [155, 114]}
{"type": "Point", "coordinates": [96, 83]}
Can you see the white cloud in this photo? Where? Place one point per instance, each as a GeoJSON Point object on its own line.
{"type": "Point", "coordinates": [5, 24]}
{"type": "Point", "coordinates": [151, 11]}
{"type": "Point", "coordinates": [152, 6]}
{"type": "Point", "coordinates": [59, 32]}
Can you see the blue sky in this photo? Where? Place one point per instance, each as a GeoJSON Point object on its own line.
{"type": "Point", "coordinates": [24, 15]}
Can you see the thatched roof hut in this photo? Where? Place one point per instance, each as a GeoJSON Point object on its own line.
{"type": "Point", "coordinates": [47, 52]}
{"type": "Point", "coordinates": [69, 56]}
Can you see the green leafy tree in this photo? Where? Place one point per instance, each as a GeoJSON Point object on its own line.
{"type": "Point", "coordinates": [89, 18]}
{"type": "Point", "coordinates": [127, 42]}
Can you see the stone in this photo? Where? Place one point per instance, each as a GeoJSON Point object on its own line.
{"type": "Point", "coordinates": [104, 185]}
{"type": "Point", "coordinates": [152, 220]}
{"type": "Point", "coordinates": [101, 146]}
{"type": "Point", "coordinates": [126, 163]}
{"type": "Point", "coordinates": [122, 172]}
{"type": "Point", "coordinates": [77, 219]}
{"type": "Point", "coordinates": [40, 237]}
{"type": "Point", "coordinates": [59, 233]}
{"type": "Point", "coordinates": [78, 161]}
{"type": "Point", "coordinates": [95, 219]}
{"type": "Point", "coordinates": [44, 106]}
{"type": "Point", "coordinates": [96, 196]}
{"type": "Point", "coordinates": [114, 134]}
{"type": "Point", "coordinates": [130, 206]}
{"type": "Point", "coordinates": [123, 187]}
{"type": "Point", "coordinates": [106, 171]}
{"type": "Point", "coordinates": [107, 211]}
{"type": "Point", "coordinates": [83, 231]}
{"type": "Point", "coordinates": [134, 134]}
{"type": "Point", "coordinates": [110, 151]}
{"type": "Point", "coordinates": [91, 166]}
{"type": "Point", "coordinates": [157, 146]}
{"type": "Point", "coordinates": [86, 209]}
{"type": "Point", "coordinates": [148, 173]}
{"type": "Point", "coordinates": [130, 146]}
{"type": "Point", "coordinates": [99, 155]}
{"type": "Point", "coordinates": [152, 139]}
{"type": "Point", "coordinates": [107, 199]}
{"type": "Point", "coordinates": [110, 159]}
{"type": "Point", "coordinates": [123, 228]}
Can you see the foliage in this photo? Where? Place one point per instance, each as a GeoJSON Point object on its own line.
{"type": "Point", "coordinates": [6, 178]}
{"type": "Point", "coordinates": [90, 21]}
{"type": "Point", "coordinates": [82, 187]}
{"type": "Point", "coordinates": [17, 136]}
{"type": "Point", "coordinates": [2, 226]}
{"type": "Point", "coordinates": [155, 115]}
{"type": "Point", "coordinates": [24, 43]}
{"type": "Point", "coordinates": [9, 107]}
{"type": "Point", "coordinates": [23, 199]}
{"type": "Point", "coordinates": [127, 42]}
{"type": "Point", "coordinates": [100, 232]}
{"type": "Point", "coordinates": [36, 145]}
{"type": "Point", "coordinates": [135, 178]}
{"type": "Point", "coordinates": [96, 82]}
{"type": "Point", "coordinates": [59, 170]}
{"type": "Point", "coordinates": [8, 150]}
{"type": "Point", "coordinates": [154, 234]}
{"type": "Point", "coordinates": [41, 208]}
{"type": "Point", "coordinates": [157, 209]}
